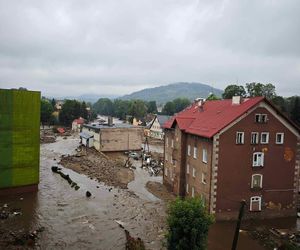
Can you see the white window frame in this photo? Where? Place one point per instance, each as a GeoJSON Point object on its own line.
{"type": "Point", "coordinates": [187, 188]}
{"type": "Point", "coordinates": [257, 163]}
{"type": "Point", "coordinates": [189, 150]}
{"type": "Point", "coordinates": [239, 138]}
{"type": "Point", "coordinates": [267, 137]}
{"type": "Point", "coordinates": [282, 138]}
{"type": "Point", "coordinates": [188, 168]}
{"type": "Point", "coordinates": [256, 134]}
{"type": "Point", "coordinates": [166, 171]}
{"type": "Point", "coordinates": [203, 178]}
{"type": "Point", "coordinates": [172, 143]}
{"type": "Point", "coordinates": [253, 199]}
{"type": "Point", "coordinates": [195, 152]}
{"type": "Point", "coordinates": [262, 118]}
{"type": "Point", "coordinates": [252, 180]}
{"type": "Point", "coordinates": [204, 155]}
{"type": "Point", "coordinates": [193, 192]}
{"type": "Point", "coordinates": [194, 172]}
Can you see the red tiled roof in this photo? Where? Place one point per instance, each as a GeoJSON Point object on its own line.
{"type": "Point", "coordinates": [79, 121]}
{"type": "Point", "coordinates": [214, 116]}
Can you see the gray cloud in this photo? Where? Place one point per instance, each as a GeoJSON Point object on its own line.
{"type": "Point", "coordinates": [115, 47]}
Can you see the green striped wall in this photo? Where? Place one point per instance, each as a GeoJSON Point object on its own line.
{"type": "Point", "coordinates": [19, 137]}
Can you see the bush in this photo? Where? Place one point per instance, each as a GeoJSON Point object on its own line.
{"type": "Point", "coordinates": [188, 224]}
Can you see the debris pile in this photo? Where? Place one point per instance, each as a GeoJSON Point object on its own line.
{"type": "Point", "coordinates": [98, 166]}
{"type": "Point", "coordinates": [57, 170]}
{"type": "Point", "coordinates": [47, 136]}
{"type": "Point", "coordinates": [154, 165]}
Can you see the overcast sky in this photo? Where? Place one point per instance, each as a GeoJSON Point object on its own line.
{"type": "Point", "coordinates": [117, 46]}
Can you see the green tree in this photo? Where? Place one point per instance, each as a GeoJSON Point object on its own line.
{"type": "Point", "coordinates": [104, 106]}
{"type": "Point", "coordinates": [83, 110]}
{"type": "Point", "coordinates": [188, 224]}
{"type": "Point", "coordinates": [233, 90]}
{"type": "Point", "coordinates": [53, 102]}
{"type": "Point", "coordinates": [70, 111]}
{"type": "Point", "coordinates": [180, 104]}
{"type": "Point", "coordinates": [151, 107]}
{"type": "Point", "coordinates": [295, 110]}
{"type": "Point", "coordinates": [121, 108]}
{"type": "Point", "coordinates": [212, 97]}
{"type": "Point", "coordinates": [260, 89]}
{"type": "Point", "coordinates": [137, 109]}
{"type": "Point", "coordinates": [169, 108]}
{"type": "Point", "coordinates": [280, 103]}
{"type": "Point", "coordinates": [46, 111]}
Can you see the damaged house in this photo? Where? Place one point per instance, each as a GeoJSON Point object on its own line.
{"type": "Point", "coordinates": [112, 137]}
{"type": "Point", "coordinates": [225, 151]}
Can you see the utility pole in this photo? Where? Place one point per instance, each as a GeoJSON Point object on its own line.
{"type": "Point", "coordinates": [238, 224]}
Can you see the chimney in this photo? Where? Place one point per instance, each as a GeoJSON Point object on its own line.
{"type": "Point", "coordinates": [110, 120]}
{"type": "Point", "coordinates": [236, 100]}
{"type": "Point", "coordinates": [200, 102]}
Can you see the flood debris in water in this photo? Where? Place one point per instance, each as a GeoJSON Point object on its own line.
{"type": "Point", "coordinates": [57, 170]}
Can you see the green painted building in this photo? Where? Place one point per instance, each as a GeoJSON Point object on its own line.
{"type": "Point", "coordinates": [19, 139]}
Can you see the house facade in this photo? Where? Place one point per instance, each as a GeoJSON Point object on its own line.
{"type": "Point", "coordinates": [156, 129]}
{"type": "Point", "coordinates": [226, 151]}
{"type": "Point", "coordinates": [77, 124]}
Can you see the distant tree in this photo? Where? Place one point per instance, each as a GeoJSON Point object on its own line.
{"type": "Point", "coordinates": [70, 111]}
{"type": "Point", "coordinates": [188, 224]}
{"type": "Point", "coordinates": [280, 103]}
{"type": "Point", "coordinates": [53, 102]}
{"type": "Point", "coordinates": [295, 110]}
{"type": "Point", "coordinates": [260, 89]}
{"type": "Point", "coordinates": [169, 108]}
{"type": "Point", "coordinates": [121, 108]}
{"type": "Point", "coordinates": [137, 109]}
{"type": "Point", "coordinates": [233, 90]}
{"type": "Point", "coordinates": [212, 97]}
{"type": "Point", "coordinates": [104, 106]}
{"type": "Point", "coordinates": [46, 112]}
{"type": "Point", "coordinates": [83, 110]}
{"type": "Point", "coordinates": [180, 104]}
{"type": "Point", "coordinates": [151, 107]}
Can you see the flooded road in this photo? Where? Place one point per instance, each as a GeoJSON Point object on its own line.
{"type": "Point", "coordinates": [73, 221]}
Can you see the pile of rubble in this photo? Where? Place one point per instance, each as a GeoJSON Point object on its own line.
{"type": "Point", "coordinates": [47, 136]}
{"type": "Point", "coordinates": [153, 164]}
{"type": "Point", "coordinates": [98, 166]}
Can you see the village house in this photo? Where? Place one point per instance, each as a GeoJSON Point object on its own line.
{"type": "Point", "coordinates": [77, 124]}
{"type": "Point", "coordinates": [226, 151]}
{"type": "Point", "coordinates": [156, 129]}
{"type": "Point", "coordinates": [107, 137]}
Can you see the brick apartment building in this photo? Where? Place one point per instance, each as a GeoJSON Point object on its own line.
{"type": "Point", "coordinates": [228, 150]}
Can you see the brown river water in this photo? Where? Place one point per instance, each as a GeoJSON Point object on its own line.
{"type": "Point", "coordinates": [73, 221]}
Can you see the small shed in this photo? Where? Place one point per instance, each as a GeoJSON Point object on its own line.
{"type": "Point", "coordinates": [86, 139]}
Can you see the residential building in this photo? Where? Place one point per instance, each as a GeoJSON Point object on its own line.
{"type": "Point", "coordinates": [112, 137]}
{"type": "Point", "coordinates": [19, 140]}
{"type": "Point", "coordinates": [226, 151]}
{"type": "Point", "coordinates": [156, 129]}
{"type": "Point", "coordinates": [77, 124]}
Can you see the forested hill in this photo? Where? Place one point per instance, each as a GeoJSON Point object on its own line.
{"type": "Point", "coordinates": [169, 92]}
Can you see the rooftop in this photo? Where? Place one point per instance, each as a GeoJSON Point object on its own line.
{"type": "Point", "coordinates": [212, 116]}
{"type": "Point", "coordinates": [106, 126]}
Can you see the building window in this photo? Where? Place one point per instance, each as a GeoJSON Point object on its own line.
{"type": "Point", "coordinates": [194, 172]}
{"type": "Point", "coordinates": [166, 157]}
{"type": "Point", "coordinates": [203, 178]}
{"type": "Point", "coordinates": [255, 203]}
{"type": "Point", "coordinates": [264, 138]}
{"type": "Point", "coordinates": [204, 155]}
{"type": "Point", "coordinates": [261, 118]}
{"type": "Point", "coordinates": [172, 143]}
{"type": "Point", "coordinates": [193, 192]}
{"type": "Point", "coordinates": [254, 137]}
{"type": "Point", "coordinates": [258, 159]}
{"type": "Point", "coordinates": [187, 188]}
{"type": "Point", "coordinates": [166, 172]}
{"type": "Point", "coordinates": [167, 142]}
{"type": "Point", "coordinates": [195, 152]}
{"type": "Point", "coordinates": [279, 138]}
{"type": "Point", "coordinates": [256, 181]}
{"type": "Point", "coordinates": [189, 150]}
{"type": "Point", "coordinates": [239, 138]}
{"type": "Point", "coordinates": [187, 168]}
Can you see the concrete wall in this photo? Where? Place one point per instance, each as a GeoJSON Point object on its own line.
{"type": "Point", "coordinates": [19, 138]}
{"type": "Point", "coordinates": [120, 139]}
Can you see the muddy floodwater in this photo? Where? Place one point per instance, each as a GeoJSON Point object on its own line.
{"type": "Point", "coordinates": [73, 221]}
